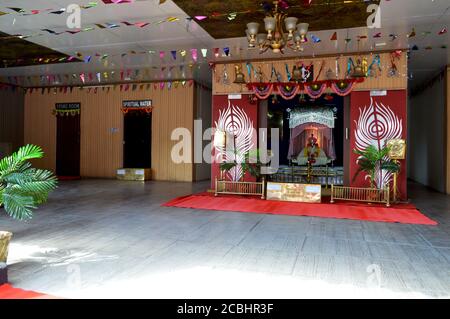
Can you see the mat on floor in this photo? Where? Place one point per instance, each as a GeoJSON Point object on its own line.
{"type": "Point", "coordinates": [9, 292]}
{"type": "Point", "coordinates": [405, 214]}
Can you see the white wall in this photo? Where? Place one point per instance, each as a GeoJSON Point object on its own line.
{"type": "Point", "coordinates": [426, 136]}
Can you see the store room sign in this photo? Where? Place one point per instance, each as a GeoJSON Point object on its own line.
{"type": "Point", "coordinates": [68, 106]}
{"type": "Point", "coordinates": [65, 109]}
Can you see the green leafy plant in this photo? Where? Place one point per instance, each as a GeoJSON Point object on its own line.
{"type": "Point", "coordinates": [252, 167]}
{"type": "Point", "coordinates": [22, 187]}
{"type": "Point", "coordinates": [372, 159]}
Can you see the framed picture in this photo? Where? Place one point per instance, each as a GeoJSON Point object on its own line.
{"type": "Point", "coordinates": [397, 149]}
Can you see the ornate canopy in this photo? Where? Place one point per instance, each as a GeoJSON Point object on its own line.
{"type": "Point", "coordinates": [319, 115]}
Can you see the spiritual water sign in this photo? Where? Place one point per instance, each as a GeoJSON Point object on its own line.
{"type": "Point", "coordinates": [291, 192]}
{"type": "Point", "coordinates": [67, 106]}
{"type": "Point", "coordinates": [137, 104]}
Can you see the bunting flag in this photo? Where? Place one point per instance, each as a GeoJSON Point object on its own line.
{"type": "Point", "coordinates": [194, 54]}
{"type": "Point", "coordinates": [334, 37]}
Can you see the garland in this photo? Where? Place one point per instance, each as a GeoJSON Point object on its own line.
{"type": "Point", "coordinates": [343, 88]}
{"type": "Point", "coordinates": [261, 90]}
{"type": "Point", "coordinates": [289, 90]}
{"type": "Point", "coordinates": [147, 110]}
{"type": "Point", "coordinates": [66, 112]}
{"type": "Point", "coordinates": [315, 90]}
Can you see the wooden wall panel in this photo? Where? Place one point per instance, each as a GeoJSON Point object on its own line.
{"type": "Point", "coordinates": [40, 127]}
{"type": "Point", "coordinates": [381, 82]}
{"type": "Point", "coordinates": [102, 127]}
{"type": "Point", "coordinates": [11, 118]}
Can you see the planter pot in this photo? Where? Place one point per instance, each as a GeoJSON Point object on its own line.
{"type": "Point", "coordinates": [5, 238]}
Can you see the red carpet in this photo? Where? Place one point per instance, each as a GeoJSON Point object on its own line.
{"type": "Point", "coordinates": [405, 214]}
{"type": "Point", "coordinates": [9, 292]}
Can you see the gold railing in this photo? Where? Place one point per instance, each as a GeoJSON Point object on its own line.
{"type": "Point", "coordinates": [240, 188]}
{"type": "Point", "coordinates": [372, 195]}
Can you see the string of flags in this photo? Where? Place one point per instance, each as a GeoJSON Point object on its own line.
{"type": "Point", "coordinates": [215, 14]}
{"type": "Point", "coordinates": [194, 55]}
{"type": "Point", "coordinates": [124, 87]}
{"type": "Point", "coordinates": [159, 74]}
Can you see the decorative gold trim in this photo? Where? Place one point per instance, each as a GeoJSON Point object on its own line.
{"type": "Point", "coordinates": [359, 194]}
{"type": "Point", "coordinates": [240, 188]}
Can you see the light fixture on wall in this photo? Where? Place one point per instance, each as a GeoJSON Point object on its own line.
{"type": "Point", "coordinates": [276, 38]}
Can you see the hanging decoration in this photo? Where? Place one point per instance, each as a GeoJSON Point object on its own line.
{"type": "Point", "coordinates": [314, 90]}
{"type": "Point", "coordinates": [225, 77]}
{"type": "Point", "coordinates": [393, 70]}
{"type": "Point", "coordinates": [288, 91]}
{"type": "Point", "coordinates": [359, 69]}
{"type": "Point", "coordinates": [375, 67]}
{"type": "Point", "coordinates": [239, 76]}
{"type": "Point", "coordinates": [261, 90]}
{"type": "Point", "coordinates": [343, 87]}
{"type": "Point", "coordinates": [65, 112]}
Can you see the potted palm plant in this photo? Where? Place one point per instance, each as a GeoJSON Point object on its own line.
{"type": "Point", "coordinates": [22, 188]}
{"type": "Point", "coordinates": [371, 160]}
{"type": "Point", "coordinates": [253, 167]}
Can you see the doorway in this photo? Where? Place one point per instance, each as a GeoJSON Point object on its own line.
{"type": "Point", "coordinates": [68, 146]}
{"type": "Point", "coordinates": [137, 140]}
{"type": "Point", "coordinates": [325, 127]}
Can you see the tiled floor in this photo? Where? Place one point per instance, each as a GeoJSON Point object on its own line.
{"type": "Point", "coordinates": [101, 238]}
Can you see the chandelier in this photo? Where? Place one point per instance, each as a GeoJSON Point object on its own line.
{"type": "Point", "coordinates": [276, 39]}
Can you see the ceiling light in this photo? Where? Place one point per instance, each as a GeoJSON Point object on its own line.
{"type": "Point", "coordinates": [276, 38]}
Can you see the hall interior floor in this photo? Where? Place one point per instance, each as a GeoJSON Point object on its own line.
{"type": "Point", "coordinates": [112, 239]}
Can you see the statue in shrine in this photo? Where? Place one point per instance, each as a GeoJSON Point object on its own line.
{"type": "Point", "coordinates": [312, 149]}
{"type": "Point", "coordinates": [312, 154]}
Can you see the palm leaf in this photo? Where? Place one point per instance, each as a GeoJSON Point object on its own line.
{"type": "Point", "coordinates": [17, 204]}
{"type": "Point", "coordinates": [22, 187]}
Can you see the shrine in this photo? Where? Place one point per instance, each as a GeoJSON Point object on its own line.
{"type": "Point", "coordinates": [224, 149]}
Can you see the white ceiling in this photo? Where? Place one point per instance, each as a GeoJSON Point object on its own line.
{"type": "Point", "coordinates": [397, 17]}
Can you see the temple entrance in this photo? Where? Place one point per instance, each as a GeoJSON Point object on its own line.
{"type": "Point", "coordinates": [311, 138]}
{"type": "Point", "coordinates": [137, 139]}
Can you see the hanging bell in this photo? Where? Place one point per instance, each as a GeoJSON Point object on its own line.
{"type": "Point", "coordinates": [360, 70]}
{"type": "Point", "coordinates": [296, 74]}
{"type": "Point", "coordinates": [240, 77]}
